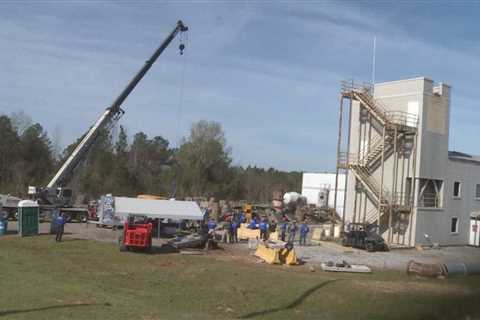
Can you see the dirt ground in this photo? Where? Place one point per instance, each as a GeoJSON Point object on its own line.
{"type": "Point", "coordinates": [312, 255]}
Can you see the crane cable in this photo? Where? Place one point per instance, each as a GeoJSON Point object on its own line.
{"type": "Point", "coordinates": [182, 89]}
{"type": "Point", "coordinates": [173, 191]}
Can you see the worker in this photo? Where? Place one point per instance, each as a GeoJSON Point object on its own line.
{"type": "Point", "coordinates": [283, 229]}
{"type": "Point", "coordinates": [253, 223]}
{"type": "Point", "coordinates": [263, 226]}
{"type": "Point", "coordinates": [304, 229]}
{"type": "Point", "coordinates": [234, 231]}
{"type": "Point", "coordinates": [241, 217]}
{"type": "Point", "coordinates": [272, 227]}
{"type": "Point", "coordinates": [59, 227]}
{"type": "Point", "coordinates": [292, 231]}
{"type": "Point", "coordinates": [212, 225]}
{"type": "Point", "coordinates": [230, 230]}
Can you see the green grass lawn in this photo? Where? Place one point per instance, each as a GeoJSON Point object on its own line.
{"type": "Point", "coordinates": [79, 279]}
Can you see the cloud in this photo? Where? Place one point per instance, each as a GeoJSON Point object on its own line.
{"type": "Point", "coordinates": [269, 73]}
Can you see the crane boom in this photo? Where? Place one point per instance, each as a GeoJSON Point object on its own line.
{"type": "Point", "coordinates": [112, 113]}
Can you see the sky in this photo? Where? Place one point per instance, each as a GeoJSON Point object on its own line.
{"type": "Point", "coordinates": [269, 72]}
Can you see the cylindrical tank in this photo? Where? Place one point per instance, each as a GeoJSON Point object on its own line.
{"type": "Point", "coordinates": [290, 197]}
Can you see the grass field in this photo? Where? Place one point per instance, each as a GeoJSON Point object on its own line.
{"type": "Point", "coordinates": [80, 279]}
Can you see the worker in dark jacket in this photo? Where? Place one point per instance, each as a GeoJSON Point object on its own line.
{"type": "Point", "coordinates": [283, 229]}
{"type": "Point", "coordinates": [263, 226]}
{"type": "Point", "coordinates": [304, 229]}
{"type": "Point", "coordinates": [59, 227]}
{"type": "Point", "coordinates": [292, 232]}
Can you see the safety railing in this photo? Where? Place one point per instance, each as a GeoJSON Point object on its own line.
{"type": "Point", "coordinates": [430, 200]}
{"type": "Point", "coordinates": [403, 118]}
{"type": "Point", "coordinates": [346, 159]}
{"type": "Point", "coordinates": [365, 91]}
{"type": "Point", "coordinates": [400, 199]}
{"type": "Point", "coordinates": [350, 85]}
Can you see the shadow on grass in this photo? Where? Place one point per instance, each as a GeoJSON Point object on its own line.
{"type": "Point", "coordinates": [76, 305]}
{"type": "Point", "coordinates": [291, 305]}
{"type": "Point", "coordinates": [73, 239]}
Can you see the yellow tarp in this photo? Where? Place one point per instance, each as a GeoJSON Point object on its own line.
{"type": "Point", "coordinates": [276, 255]}
{"type": "Point", "coordinates": [273, 236]}
{"type": "Point", "coordinates": [244, 233]}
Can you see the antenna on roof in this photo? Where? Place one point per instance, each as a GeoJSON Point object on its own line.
{"type": "Point", "coordinates": [373, 62]}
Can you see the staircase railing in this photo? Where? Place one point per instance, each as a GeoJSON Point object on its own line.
{"type": "Point", "coordinates": [364, 93]}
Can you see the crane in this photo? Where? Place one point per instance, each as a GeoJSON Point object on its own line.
{"type": "Point", "coordinates": [55, 194]}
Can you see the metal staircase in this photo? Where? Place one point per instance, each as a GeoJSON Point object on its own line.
{"type": "Point", "coordinates": [393, 126]}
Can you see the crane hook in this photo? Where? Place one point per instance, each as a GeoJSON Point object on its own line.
{"type": "Point", "coordinates": [181, 47]}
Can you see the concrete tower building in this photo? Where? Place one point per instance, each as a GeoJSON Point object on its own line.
{"type": "Point", "coordinates": [400, 175]}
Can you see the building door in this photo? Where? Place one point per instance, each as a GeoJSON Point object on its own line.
{"type": "Point", "coordinates": [474, 232]}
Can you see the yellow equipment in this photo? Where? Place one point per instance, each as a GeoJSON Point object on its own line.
{"type": "Point", "coordinates": [151, 197]}
{"type": "Point", "coordinates": [248, 210]}
{"type": "Point", "coordinates": [245, 233]}
{"type": "Point", "coordinates": [274, 252]}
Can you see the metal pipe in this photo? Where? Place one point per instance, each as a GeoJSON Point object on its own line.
{"type": "Point", "coordinates": [462, 268]}
{"type": "Point", "coordinates": [369, 132]}
{"type": "Point", "coordinates": [365, 205]}
{"type": "Point", "coordinates": [394, 186]}
{"type": "Point", "coordinates": [348, 153]}
{"type": "Point", "coordinates": [449, 268]}
{"type": "Point", "coordinates": [339, 144]}
{"type": "Point", "coordinates": [360, 152]}
{"type": "Point", "coordinates": [355, 206]}
{"type": "Point", "coordinates": [381, 180]}
{"type": "Point", "coordinates": [413, 187]}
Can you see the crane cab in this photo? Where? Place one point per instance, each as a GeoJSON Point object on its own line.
{"type": "Point", "coordinates": [59, 196]}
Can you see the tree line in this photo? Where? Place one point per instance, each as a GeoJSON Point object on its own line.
{"type": "Point", "coordinates": [201, 166]}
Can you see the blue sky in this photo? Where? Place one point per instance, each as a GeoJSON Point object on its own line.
{"type": "Point", "coordinates": [268, 71]}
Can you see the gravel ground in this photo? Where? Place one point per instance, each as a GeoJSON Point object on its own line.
{"type": "Point", "coordinates": [396, 259]}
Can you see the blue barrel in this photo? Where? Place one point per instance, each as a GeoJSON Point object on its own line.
{"type": "Point", "coordinates": [3, 227]}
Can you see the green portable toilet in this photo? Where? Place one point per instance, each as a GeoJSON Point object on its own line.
{"type": "Point", "coordinates": [28, 215]}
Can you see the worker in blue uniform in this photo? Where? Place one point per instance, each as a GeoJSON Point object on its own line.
{"type": "Point", "coordinates": [241, 218]}
{"type": "Point", "coordinates": [263, 226]}
{"type": "Point", "coordinates": [59, 227]}
{"type": "Point", "coordinates": [211, 224]}
{"type": "Point", "coordinates": [234, 230]}
{"type": "Point", "coordinates": [253, 223]}
{"type": "Point", "coordinates": [304, 229]}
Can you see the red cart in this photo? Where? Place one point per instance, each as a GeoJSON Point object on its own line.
{"type": "Point", "coordinates": [137, 234]}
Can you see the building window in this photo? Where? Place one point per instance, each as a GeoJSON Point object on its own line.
{"type": "Point", "coordinates": [429, 193]}
{"type": "Point", "coordinates": [477, 191]}
{"type": "Point", "coordinates": [454, 225]}
{"type": "Point", "coordinates": [457, 188]}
